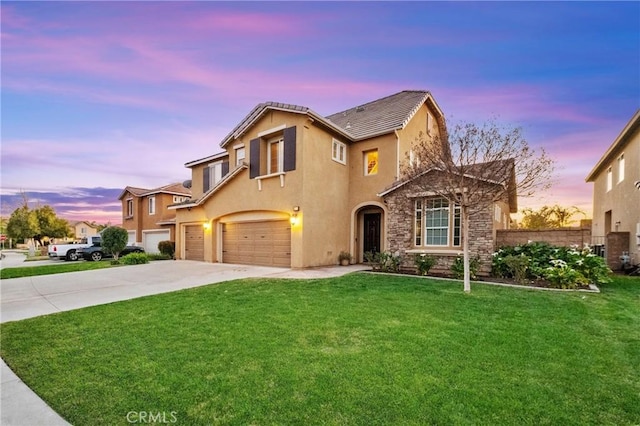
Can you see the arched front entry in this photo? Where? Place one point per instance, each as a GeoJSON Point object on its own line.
{"type": "Point", "coordinates": [368, 229]}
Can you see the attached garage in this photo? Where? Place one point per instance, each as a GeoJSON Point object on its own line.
{"type": "Point", "coordinates": [266, 243]}
{"type": "Point", "coordinates": [194, 242]}
{"type": "Point", "coordinates": [131, 237]}
{"type": "Point", "coordinates": [150, 240]}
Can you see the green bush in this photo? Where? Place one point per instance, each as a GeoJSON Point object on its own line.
{"type": "Point", "coordinates": [518, 266]}
{"type": "Point", "coordinates": [158, 256]}
{"type": "Point", "coordinates": [564, 267]}
{"type": "Point", "coordinates": [424, 263]}
{"type": "Point", "coordinates": [114, 240]}
{"type": "Point", "coordinates": [384, 261]}
{"type": "Point", "coordinates": [457, 268]}
{"type": "Point", "coordinates": [135, 259]}
{"type": "Point", "coordinates": [167, 248]}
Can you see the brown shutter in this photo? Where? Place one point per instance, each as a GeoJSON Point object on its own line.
{"type": "Point", "coordinates": [289, 149]}
{"type": "Point", "coordinates": [254, 158]}
{"type": "Point", "coordinates": [205, 178]}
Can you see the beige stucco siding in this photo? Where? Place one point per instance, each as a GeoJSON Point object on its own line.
{"type": "Point", "coordinates": [623, 200]}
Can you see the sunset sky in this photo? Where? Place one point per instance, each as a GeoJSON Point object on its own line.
{"type": "Point", "coordinates": [100, 95]}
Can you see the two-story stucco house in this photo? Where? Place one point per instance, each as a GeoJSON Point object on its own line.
{"type": "Point", "coordinates": [293, 188]}
{"type": "Point", "coordinates": [83, 229]}
{"type": "Point", "coordinates": [616, 198]}
{"type": "Point", "coordinates": [146, 217]}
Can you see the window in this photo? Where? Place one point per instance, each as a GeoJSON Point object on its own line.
{"type": "Point", "coordinates": [275, 155]}
{"type": "Point", "coordinates": [621, 168]}
{"type": "Point", "coordinates": [436, 224]}
{"type": "Point", "coordinates": [339, 152]}
{"type": "Point", "coordinates": [178, 199]}
{"type": "Point", "coordinates": [429, 123]}
{"type": "Point", "coordinates": [215, 174]}
{"type": "Point", "coordinates": [371, 162]}
{"type": "Point", "coordinates": [240, 155]}
{"type": "Point", "coordinates": [418, 223]}
{"type": "Point", "coordinates": [130, 207]}
{"type": "Point", "coordinates": [152, 205]}
{"type": "Point", "coordinates": [609, 179]}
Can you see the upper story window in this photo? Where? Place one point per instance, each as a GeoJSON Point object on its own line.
{"type": "Point", "coordinates": [130, 207]}
{"type": "Point", "coordinates": [429, 122]}
{"type": "Point", "coordinates": [275, 155]}
{"type": "Point", "coordinates": [609, 179]}
{"type": "Point", "coordinates": [152, 205]}
{"type": "Point", "coordinates": [179, 199]}
{"type": "Point", "coordinates": [436, 223]}
{"type": "Point", "coordinates": [273, 152]}
{"type": "Point", "coordinates": [213, 173]}
{"type": "Point", "coordinates": [339, 152]}
{"type": "Point", "coordinates": [240, 155]}
{"type": "Point", "coordinates": [621, 168]}
{"type": "Point", "coordinates": [371, 162]}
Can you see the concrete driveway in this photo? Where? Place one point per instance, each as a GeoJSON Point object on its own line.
{"type": "Point", "coordinates": [23, 298]}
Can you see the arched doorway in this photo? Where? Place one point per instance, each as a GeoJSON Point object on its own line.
{"type": "Point", "coordinates": [368, 225]}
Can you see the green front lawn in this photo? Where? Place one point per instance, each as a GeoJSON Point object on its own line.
{"type": "Point", "coordinates": [361, 349]}
{"type": "Point", "coordinates": [32, 271]}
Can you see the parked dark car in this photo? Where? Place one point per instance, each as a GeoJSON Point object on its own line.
{"type": "Point", "coordinates": [96, 253]}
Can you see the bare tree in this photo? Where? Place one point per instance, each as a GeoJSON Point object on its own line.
{"type": "Point", "coordinates": [477, 166]}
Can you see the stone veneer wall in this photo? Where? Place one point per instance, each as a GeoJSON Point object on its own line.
{"type": "Point", "coordinates": [400, 236]}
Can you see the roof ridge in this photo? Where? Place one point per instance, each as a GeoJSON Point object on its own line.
{"type": "Point", "coordinates": [379, 99]}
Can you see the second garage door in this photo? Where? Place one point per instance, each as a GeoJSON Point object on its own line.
{"type": "Point", "coordinates": [152, 238]}
{"type": "Point", "coordinates": [257, 243]}
{"type": "Point", "coordinates": [194, 242]}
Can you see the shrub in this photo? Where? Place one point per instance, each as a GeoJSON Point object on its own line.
{"type": "Point", "coordinates": [457, 268]}
{"type": "Point", "coordinates": [384, 261]}
{"type": "Point", "coordinates": [135, 259]}
{"type": "Point", "coordinates": [158, 256]}
{"type": "Point", "coordinates": [114, 240]}
{"type": "Point", "coordinates": [517, 266]}
{"type": "Point", "coordinates": [167, 248]}
{"type": "Point", "coordinates": [424, 263]}
{"type": "Point", "coordinates": [558, 265]}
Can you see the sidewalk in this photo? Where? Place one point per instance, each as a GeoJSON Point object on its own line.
{"type": "Point", "coordinates": [41, 295]}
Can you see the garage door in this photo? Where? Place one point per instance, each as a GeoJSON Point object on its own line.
{"type": "Point", "coordinates": [151, 240]}
{"type": "Point", "coordinates": [194, 242]}
{"type": "Point", "coordinates": [257, 243]}
{"type": "Point", "coordinates": [131, 237]}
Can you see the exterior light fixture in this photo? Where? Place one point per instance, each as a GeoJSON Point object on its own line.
{"type": "Point", "coordinates": [293, 219]}
{"type": "Point", "coordinates": [206, 226]}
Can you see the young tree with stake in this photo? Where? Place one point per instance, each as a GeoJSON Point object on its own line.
{"type": "Point", "coordinates": [475, 166]}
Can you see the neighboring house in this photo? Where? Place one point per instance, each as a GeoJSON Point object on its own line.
{"type": "Point", "coordinates": [616, 199]}
{"type": "Point", "coordinates": [83, 230]}
{"type": "Point", "coordinates": [146, 217]}
{"type": "Point", "coordinates": [293, 188]}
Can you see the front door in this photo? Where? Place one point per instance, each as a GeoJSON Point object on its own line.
{"type": "Point", "coordinates": [371, 240]}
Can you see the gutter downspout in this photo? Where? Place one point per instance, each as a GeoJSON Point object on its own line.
{"type": "Point", "coordinates": [397, 154]}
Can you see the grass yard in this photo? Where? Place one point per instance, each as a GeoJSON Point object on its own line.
{"type": "Point", "coordinates": [32, 271]}
{"type": "Point", "coordinates": [362, 349]}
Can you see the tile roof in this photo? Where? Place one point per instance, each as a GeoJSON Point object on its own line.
{"type": "Point", "coordinates": [380, 116]}
{"type": "Point", "coordinates": [172, 188]}
{"type": "Point", "coordinates": [361, 122]}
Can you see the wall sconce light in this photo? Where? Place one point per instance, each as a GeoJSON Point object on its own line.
{"type": "Point", "coordinates": [296, 209]}
{"type": "Point", "coordinates": [293, 219]}
{"type": "Point", "coordinates": [206, 226]}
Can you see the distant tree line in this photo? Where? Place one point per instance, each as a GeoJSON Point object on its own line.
{"type": "Point", "coordinates": [549, 217]}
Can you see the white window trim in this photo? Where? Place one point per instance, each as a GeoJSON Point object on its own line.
{"type": "Point", "coordinates": [366, 164]}
{"type": "Point", "coordinates": [152, 205]}
{"type": "Point", "coordinates": [129, 203]}
{"type": "Point", "coordinates": [236, 150]}
{"type": "Point", "coordinates": [280, 168]}
{"type": "Point", "coordinates": [450, 227]}
{"type": "Point", "coordinates": [273, 130]}
{"type": "Point", "coordinates": [621, 168]}
{"type": "Point", "coordinates": [212, 173]}
{"type": "Point", "coordinates": [609, 179]}
{"type": "Point", "coordinates": [338, 147]}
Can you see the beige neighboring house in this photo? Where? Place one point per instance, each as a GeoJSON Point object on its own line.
{"type": "Point", "coordinates": [146, 217]}
{"type": "Point", "coordinates": [294, 188]}
{"type": "Point", "coordinates": [83, 230]}
{"type": "Point", "coordinates": [616, 195]}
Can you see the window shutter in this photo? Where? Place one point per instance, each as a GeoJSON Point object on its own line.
{"type": "Point", "coordinates": [205, 178]}
{"type": "Point", "coordinates": [225, 168]}
{"type": "Point", "coordinates": [254, 158]}
{"type": "Point", "coordinates": [289, 149]}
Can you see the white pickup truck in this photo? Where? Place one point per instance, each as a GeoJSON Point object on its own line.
{"type": "Point", "coordinates": [70, 251]}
